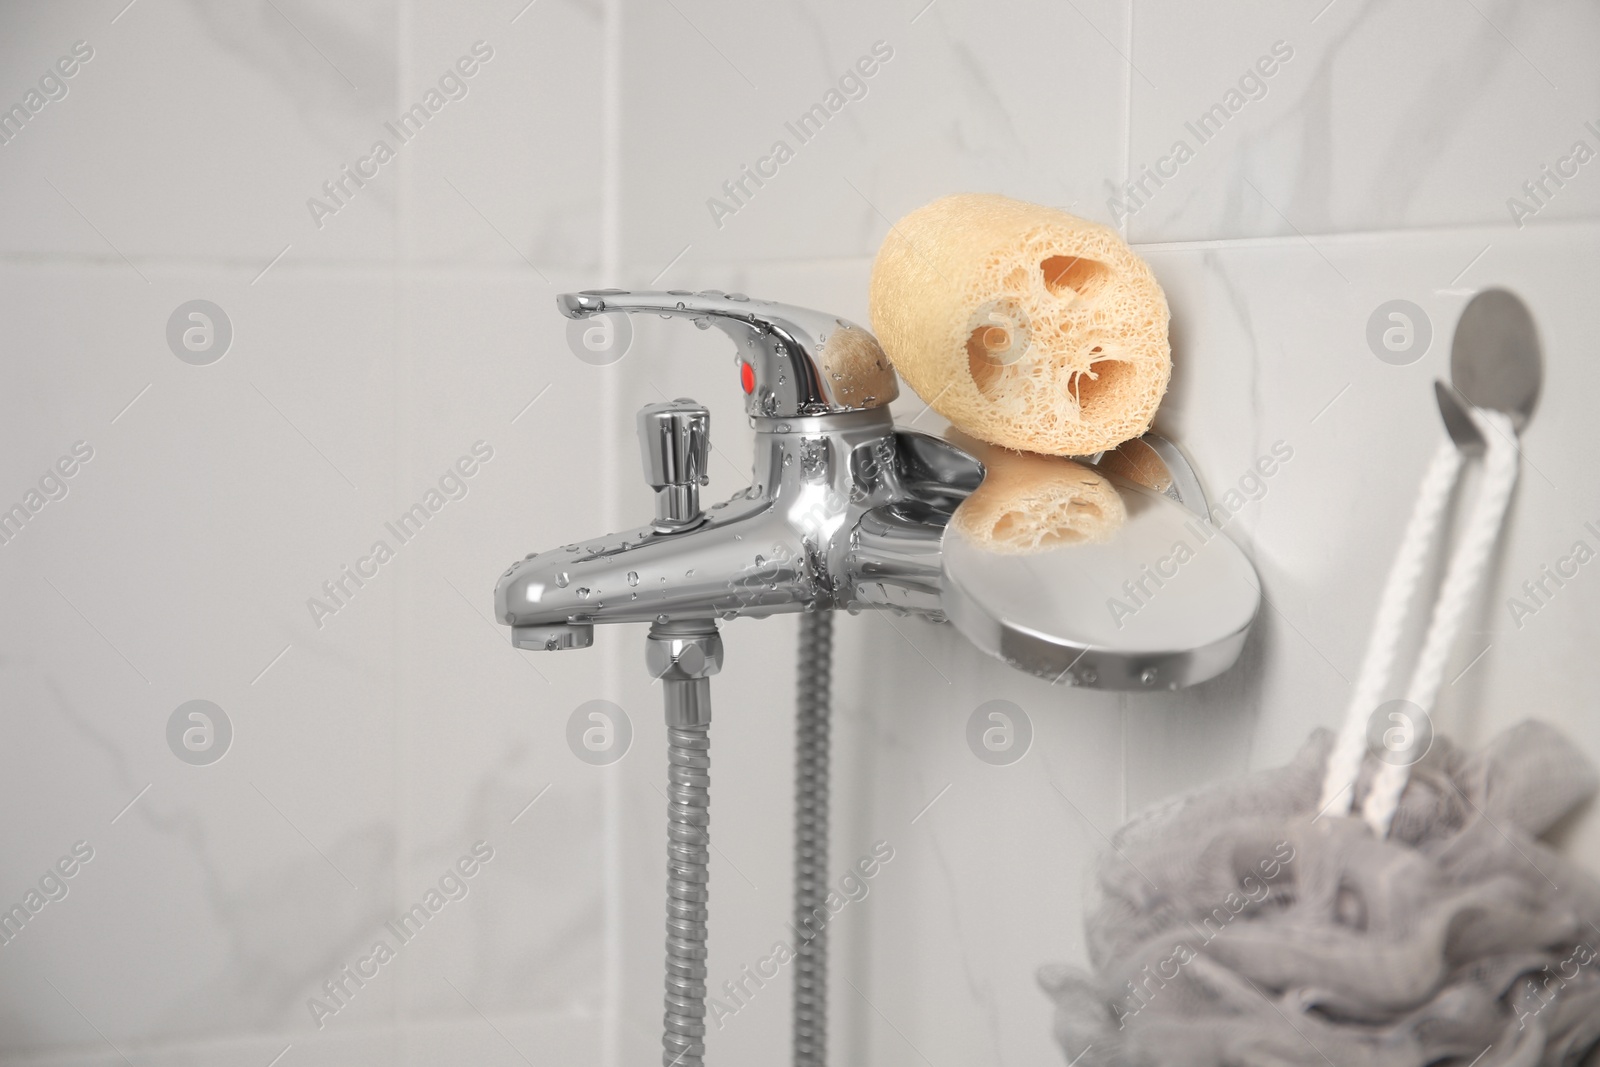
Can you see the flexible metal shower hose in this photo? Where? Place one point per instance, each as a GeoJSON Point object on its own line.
{"type": "Point", "coordinates": [811, 839]}
{"type": "Point", "coordinates": [688, 852]}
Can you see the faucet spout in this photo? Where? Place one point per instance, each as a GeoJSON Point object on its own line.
{"type": "Point", "coordinates": [844, 511]}
{"type": "Point", "coordinates": [742, 560]}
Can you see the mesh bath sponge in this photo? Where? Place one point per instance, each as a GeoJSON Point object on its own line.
{"type": "Point", "coordinates": [1236, 927]}
{"type": "Point", "coordinates": [1023, 325]}
{"type": "Point", "coordinates": [1030, 503]}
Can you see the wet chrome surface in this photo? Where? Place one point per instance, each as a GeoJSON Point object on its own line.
{"type": "Point", "coordinates": [1165, 602]}
{"type": "Point", "coordinates": [847, 511]}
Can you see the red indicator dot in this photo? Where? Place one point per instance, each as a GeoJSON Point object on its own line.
{"type": "Point", "coordinates": [747, 378]}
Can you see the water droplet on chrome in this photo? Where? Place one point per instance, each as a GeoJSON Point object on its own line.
{"type": "Point", "coordinates": [561, 580]}
{"type": "Point", "coordinates": [633, 577]}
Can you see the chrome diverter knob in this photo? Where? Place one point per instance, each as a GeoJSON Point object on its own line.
{"type": "Point", "coordinates": [675, 446]}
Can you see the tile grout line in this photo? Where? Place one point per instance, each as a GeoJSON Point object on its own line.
{"type": "Point", "coordinates": [1561, 228]}
{"type": "Point", "coordinates": [406, 218]}
{"type": "Point", "coordinates": [1127, 235]}
{"type": "Point", "coordinates": [612, 886]}
{"type": "Point", "coordinates": [1127, 119]}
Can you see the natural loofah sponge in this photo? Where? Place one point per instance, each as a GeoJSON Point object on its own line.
{"type": "Point", "coordinates": [1030, 503]}
{"type": "Point", "coordinates": [1023, 325]}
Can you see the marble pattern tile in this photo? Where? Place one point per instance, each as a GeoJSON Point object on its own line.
{"type": "Point", "coordinates": [956, 99]}
{"type": "Point", "coordinates": [513, 180]}
{"type": "Point", "coordinates": [178, 567]}
{"type": "Point", "coordinates": [201, 130]}
{"type": "Point", "coordinates": [224, 122]}
{"type": "Point", "coordinates": [1260, 119]}
{"type": "Point", "coordinates": [373, 750]}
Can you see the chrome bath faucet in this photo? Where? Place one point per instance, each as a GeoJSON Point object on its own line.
{"type": "Point", "coordinates": [843, 511]}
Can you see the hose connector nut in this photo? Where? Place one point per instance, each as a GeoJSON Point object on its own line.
{"type": "Point", "coordinates": [684, 655]}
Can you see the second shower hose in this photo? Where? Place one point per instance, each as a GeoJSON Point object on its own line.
{"type": "Point", "coordinates": [815, 675]}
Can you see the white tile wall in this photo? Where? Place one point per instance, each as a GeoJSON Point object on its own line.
{"type": "Point", "coordinates": [373, 751]}
{"type": "Point", "coordinates": [1382, 116]}
{"type": "Point", "coordinates": [958, 98]}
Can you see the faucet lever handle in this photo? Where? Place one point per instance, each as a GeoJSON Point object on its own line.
{"type": "Point", "coordinates": [794, 362]}
{"type": "Point", "coordinates": [675, 445]}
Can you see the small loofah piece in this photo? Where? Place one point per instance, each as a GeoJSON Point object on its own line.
{"type": "Point", "coordinates": [1023, 325]}
{"type": "Point", "coordinates": [1138, 463]}
{"type": "Point", "coordinates": [860, 371]}
{"type": "Point", "coordinates": [1030, 503]}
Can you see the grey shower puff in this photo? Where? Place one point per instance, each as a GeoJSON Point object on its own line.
{"type": "Point", "coordinates": [1238, 928]}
